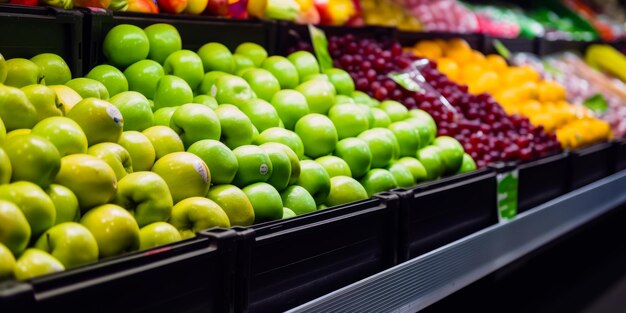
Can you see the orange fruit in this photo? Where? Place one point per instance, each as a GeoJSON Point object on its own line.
{"type": "Point", "coordinates": [496, 63]}
{"type": "Point", "coordinates": [487, 82]}
{"type": "Point", "coordinates": [449, 68]}
{"type": "Point", "coordinates": [428, 49]}
{"type": "Point", "coordinates": [478, 58]}
{"type": "Point", "coordinates": [470, 73]}
{"type": "Point", "coordinates": [458, 43]}
{"type": "Point", "coordinates": [551, 91]}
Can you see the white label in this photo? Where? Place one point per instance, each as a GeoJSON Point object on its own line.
{"type": "Point", "coordinates": [213, 91]}
{"type": "Point", "coordinates": [202, 170]}
{"type": "Point", "coordinates": [263, 169]}
{"type": "Point", "coordinates": [115, 115]}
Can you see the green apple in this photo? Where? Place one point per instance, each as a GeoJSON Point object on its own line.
{"type": "Point", "coordinates": [15, 232]}
{"type": "Point", "coordinates": [140, 148]}
{"type": "Point", "coordinates": [468, 164]}
{"type": "Point", "coordinates": [92, 180]}
{"type": "Point", "coordinates": [451, 153]}
{"type": "Point", "coordinates": [283, 70]}
{"type": "Point", "coordinates": [318, 76]}
{"type": "Point", "coordinates": [65, 204]}
{"type": "Point", "coordinates": [7, 263]}
{"type": "Point", "coordinates": [344, 85]}
{"type": "Point", "coordinates": [253, 51]}
{"type": "Point", "coordinates": [3, 132]}
{"type": "Point", "coordinates": [262, 82]}
{"type": "Point", "coordinates": [242, 63]}
{"type": "Point", "coordinates": [378, 180]}
{"type": "Point", "coordinates": [334, 166]}
{"type": "Point", "coordinates": [115, 156]}
{"type": "Point", "coordinates": [3, 69]}
{"type": "Point", "coordinates": [112, 78]}
{"type": "Point", "coordinates": [163, 116]}
{"type": "Point", "coordinates": [237, 129]}
{"type": "Point", "coordinates": [185, 64]}
{"type": "Point", "coordinates": [381, 119]}
{"type": "Point", "coordinates": [383, 145]}
{"type": "Point", "coordinates": [235, 203]}
{"type": "Point", "coordinates": [315, 179]}
{"type": "Point", "coordinates": [146, 196]}
{"type": "Point", "coordinates": [172, 91]}
{"type": "Point", "coordinates": [220, 160]}
{"type": "Point", "coordinates": [361, 97]}
{"type": "Point", "coordinates": [135, 110]}
{"type": "Point", "coordinates": [395, 110]}
{"type": "Point", "coordinates": [266, 201]}
{"type": "Point", "coordinates": [33, 158]}
{"type": "Point", "coordinates": [157, 234]}
{"type": "Point", "coordinates": [185, 174]}
{"type": "Point", "coordinates": [298, 199]}
{"type": "Point", "coordinates": [431, 159]}
{"type": "Point", "coordinates": [341, 99]}
{"type": "Point", "coordinates": [344, 189]}
{"type": "Point", "coordinates": [125, 44]}
{"type": "Point", "coordinates": [288, 213]}
{"type": "Point", "coordinates": [262, 114]}
{"type": "Point", "coordinates": [195, 122]}
{"type": "Point", "coordinates": [207, 87]}
{"type": "Point", "coordinates": [53, 68]}
{"type": "Point", "coordinates": [16, 133]}
{"type": "Point", "coordinates": [44, 100]}
{"type": "Point", "coordinates": [231, 89]}
{"type": "Point", "coordinates": [305, 63]}
{"type": "Point", "coordinates": [70, 243]}
{"type": "Point", "coordinates": [320, 95]}
{"type": "Point", "coordinates": [426, 125]}
{"type": "Point", "coordinates": [35, 262]}
{"type": "Point", "coordinates": [89, 88]}
{"type": "Point", "coordinates": [164, 140]}
{"type": "Point", "coordinates": [194, 214]}
{"type": "Point", "coordinates": [100, 120]}
{"type": "Point", "coordinates": [402, 175]}
{"type": "Point", "coordinates": [415, 167]}
{"type": "Point", "coordinates": [284, 136]}
{"type": "Point", "coordinates": [290, 105]}
{"type": "Point", "coordinates": [216, 57]}
{"type": "Point", "coordinates": [5, 167]}
{"type": "Point", "coordinates": [408, 137]}
{"type": "Point", "coordinates": [14, 100]}
{"type": "Point", "coordinates": [281, 166]}
{"type": "Point", "coordinates": [356, 153]}
{"type": "Point", "coordinates": [114, 228]}
{"type": "Point", "coordinates": [349, 119]}
{"type": "Point", "coordinates": [255, 165]}
{"type": "Point", "coordinates": [164, 39]}
{"type": "Point", "coordinates": [206, 100]}
{"type": "Point", "coordinates": [318, 134]}
{"type": "Point", "coordinates": [144, 76]}
{"type": "Point", "coordinates": [22, 72]}
{"type": "Point", "coordinates": [293, 158]}
{"type": "Point", "coordinates": [34, 203]}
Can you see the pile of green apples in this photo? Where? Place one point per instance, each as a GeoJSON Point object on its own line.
{"type": "Point", "coordinates": [163, 142]}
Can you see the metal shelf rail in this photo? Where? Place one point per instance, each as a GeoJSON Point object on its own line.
{"type": "Point", "coordinates": [422, 281]}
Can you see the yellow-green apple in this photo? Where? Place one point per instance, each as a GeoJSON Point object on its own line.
{"type": "Point", "coordinates": [185, 64]}
{"type": "Point", "coordinates": [35, 262]}
{"type": "Point", "coordinates": [426, 125]}
{"type": "Point", "coordinates": [395, 110]}
{"type": "Point", "coordinates": [344, 85]}
{"type": "Point", "coordinates": [186, 175]}
{"type": "Point", "coordinates": [430, 157]}
{"type": "Point", "coordinates": [172, 91]}
{"type": "Point", "coordinates": [163, 116]}
{"type": "Point", "coordinates": [262, 82]}
{"type": "Point", "coordinates": [341, 99]}
{"type": "Point", "coordinates": [3, 132]}
{"type": "Point", "coordinates": [255, 52]}
{"type": "Point", "coordinates": [194, 214]}
{"type": "Point", "coordinates": [254, 165]}
{"type": "Point", "coordinates": [22, 72]}
{"type": "Point", "coordinates": [318, 134]}
{"type": "Point", "coordinates": [53, 68]}
{"type": "Point", "coordinates": [281, 166]}
{"type": "Point", "coordinates": [242, 63]}
{"type": "Point", "coordinates": [319, 94]}
{"type": "Point", "coordinates": [314, 77]}
{"type": "Point", "coordinates": [402, 175]}
{"type": "Point", "coordinates": [115, 156]}
{"type": "Point", "coordinates": [206, 100]}
{"type": "Point", "coordinates": [67, 96]}
{"type": "Point", "coordinates": [3, 69]}
{"type": "Point", "coordinates": [232, 89]}
{"type": "Point", "coordinates": [216, 57]}
{"type": "Point", "coordinates": [207, 87]}
{"type": "Point", "coordinates": [356, 153]}
{"type": "Point", "coordinates": [100, 120]}
{"type": "Point", "coordinates": [196, 7]}
{"type": "Point", "coordinates": [261, 113]}
{"type": "Point", "coordinates": [5, 167]}
{"type": "Point", "coordinates": [293, 158]}
{"type": "Point", "coordinates": [70, 243]}
{"type": "Point", "coordinates": [65, 204]}
{"type": "Point", "coordinates": [194, 122]}
{"type": "Point", "coordinates": [284, 136]}
{"type": "Point", "coordinates": [266, 201]}
{"type": "Point", "coordinates": [334, 166]}
{"type": "Point", "coordinates": [237, 129]}
{"type": "Point", "coordinates": [220, 160]}
{"type": "Point", "coordinates": [349, 119]}
{"type": "Point", "coordinates": [44, 100]}
{"type": "Point", "coordinates": [164, 140]}
{"type": "Point", "coordinates": [92, 180]}
{"type": "Point", "coordinates": [33, 158]}
{"type": "Point", "coordinates": [17, 133]}
{"type": "Point", "coordinates": [451, 153]}
{"type": "Point", "coordinates": [140, 149]}
{"type": "Point", "coordinates": [415, 167]}
{"type": "Point", "coordinates": [234, 202]}
{"type": "Point", "coordinates": [125, 44]}
{"type": "Point", "coordinates": [283, 70]}
{"type": "Point", "coordinates": [135, 110]}
{"type": "Point", "coordinates": [383, 145]}
{"type": "Point", "coordinates": [288, 213]}
{"type": "Point", "coordinates": [114, 228]}
{"type": "Point", "coordinates": [146, 196]}
{"type": "Point", "coordinates": [291, 105]}
{"type": "Point", "coordinates": [89, 88]}
{"type": "Point", "coordinates": [7, 263]}
{"type": "Point", "coordinates": [315, 179]}
{"type": "Point", "coordinates": [378, 180]}
{"type": "Point", "coordinates": [65, 134]}
{"type": "Point", "coordinates": [15, 110]}
{"type": "Point", "coordinates": [157, 234]}
{"type": "Point", "coordinates": [112, 78]}
{"type": "Point", "coordinates": [408, 137]}
{"type": "Point", "coordinates": [34, 203]}
{"type": "Point", "coordinates": [381, 119]}
{"type": "Point", "coordinates": [15, 232]}
{"type": "Point", "coordinates": [164, 40]}
{"type": "Point", "coordinates": [144, 76]}
{"type": "Point", "coordinates": [345, 189]}
{"type": "Point", "coordinates": [298, 199]}
{"type": "Point", "coordinates": [361, 97]}
{"type": "Point", "coordinates": [305, 63]}
{"type": "Point", "coordinates": [468, 164]}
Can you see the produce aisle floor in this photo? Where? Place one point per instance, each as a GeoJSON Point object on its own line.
{"type": "Point", "coordinates": [583, 272]}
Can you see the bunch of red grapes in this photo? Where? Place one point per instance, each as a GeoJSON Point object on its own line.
{"type": "Point", "coordinates": [487, 133]}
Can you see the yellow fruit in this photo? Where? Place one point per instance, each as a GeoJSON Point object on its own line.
{"type": "Point", "coordinates": [428, 49]}
{"type": "Point", "coordinates": [550, 91]}
{"type": "Point", "coordinates": [478, 58]}
{"type": "Point", "coordinates": [470, 73]}
{"type": "Point", "coordinates": [460, 55]}
{"type": "Point", "coordinates": [448, 68]}
{"type": "Point", "coordinates": [458, 43]}
{"type": "Point", "coordinates": [496, 63]}
{"type": "Point", "coordinates": [487, 82]}
{"type": "Point", "coordinates": [67, 96]}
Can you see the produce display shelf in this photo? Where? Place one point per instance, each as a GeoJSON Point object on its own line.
{"type": "Point", "coordinates": [422, 281]}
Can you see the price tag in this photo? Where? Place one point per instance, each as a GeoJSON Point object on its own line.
{"type": "Point", "coordinates": [507, 194]}
{"type": "Point", "coordinates": [320, 46]}
{"type": "Point", "coordinates": [405, 80]}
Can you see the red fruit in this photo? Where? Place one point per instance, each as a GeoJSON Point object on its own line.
{"type": "Point", "coordinates": [172, 6]}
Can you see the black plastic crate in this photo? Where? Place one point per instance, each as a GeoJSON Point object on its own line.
{"type": "Point", "coordinates": [28, 31]}
{"type": "Point", "coordinates": [547, 47]}
{"type": "Point", "coordinates": [289, 262]}
{"type": "Point", "coordinates": [542, 180]}
{"type": "Point", "coordinates": [620, 154]}
{"type": "Point", "coordinates": [513, 44]}
{"type": "Point", "coordinates": [194, 275]}
{"type": "Point", "coordinates": [437, 213]}
{"type": "Point", "coordinates": [195, 31]}
{"type": "Point", "coordinates": [407, 39]}
{"type": "Point", "coordinates": [590, 164]}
